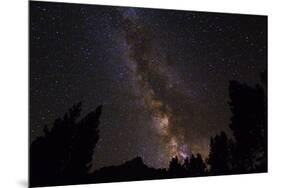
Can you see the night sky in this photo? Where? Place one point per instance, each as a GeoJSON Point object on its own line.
{"type": "Point", "coordinates": [161, 75]}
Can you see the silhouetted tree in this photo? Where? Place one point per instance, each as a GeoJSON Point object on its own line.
{"type": "Point", "coordinates": [249, 126]}
{"type": "Point", "coordinates": [219, 155]}
{"type": "Point", "coordinates": [186, 163]}
{"type": "Point", "coordinates": [64, 153]}
{"type": "Point", "coordinates": [197, 166]}
{"type": "Point", "coordinates": [176, 169]}
{"type": "Point", "coordinates": [84, 141]}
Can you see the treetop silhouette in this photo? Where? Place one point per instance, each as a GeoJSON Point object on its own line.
{"type": "Point", "coordinates": [64, 153]}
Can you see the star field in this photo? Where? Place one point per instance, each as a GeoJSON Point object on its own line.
{"type": "Point", "coordinates": [161, 75]}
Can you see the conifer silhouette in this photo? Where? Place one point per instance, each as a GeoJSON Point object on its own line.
{"type": "Point", "coordinates": [219, 155]}
{"type": "Point", "coordinates": [249, 126]}
{"type": "Point", "coordinates": [63, 154]}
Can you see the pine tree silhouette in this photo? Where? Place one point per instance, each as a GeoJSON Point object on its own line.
{"type": "Point", "coordinates": [249, 126]}
{"type": "Point", "coordinates": [176, 169]}
{"type": "Point", "coordinates": [197, 166]}
{"type": "Point", "coordinates": [219, 155]}
{"type": "Point", "coordinates": [186, 166]}
{"type": "Point", "coordinates": [64, 153]}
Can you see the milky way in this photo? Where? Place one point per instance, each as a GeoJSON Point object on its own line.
{"type": "Point", "coordinates": [149, 70]}
{"type": "Point", "coordinates": [161, 75]}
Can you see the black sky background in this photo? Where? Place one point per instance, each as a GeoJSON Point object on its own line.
{"type": "Point", "coordinates": [129, 60]}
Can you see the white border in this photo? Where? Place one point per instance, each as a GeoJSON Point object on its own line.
{"type": "Point", "coordinates": [14, 89]}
